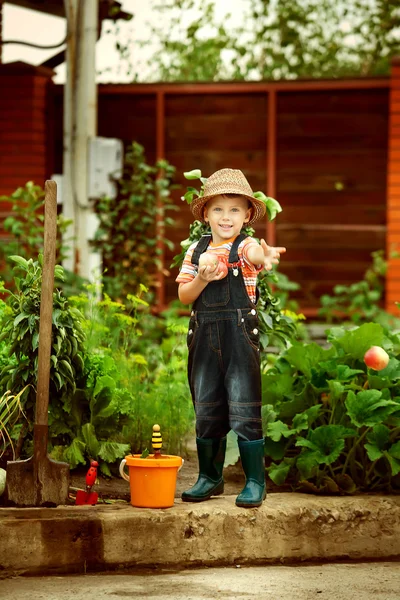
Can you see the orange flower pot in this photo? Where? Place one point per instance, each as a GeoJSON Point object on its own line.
{"type": "Point", "coordinates": [152, 480]}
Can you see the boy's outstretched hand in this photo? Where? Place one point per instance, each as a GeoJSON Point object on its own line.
{"type": "Point", "coordinates": [272, 254]}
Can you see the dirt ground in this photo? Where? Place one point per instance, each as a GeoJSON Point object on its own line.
{"type": "Point", "coordinates": [362, 581]}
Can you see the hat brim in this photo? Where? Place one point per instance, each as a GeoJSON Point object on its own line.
{"type": "Point", "coordinates": [258, 207]}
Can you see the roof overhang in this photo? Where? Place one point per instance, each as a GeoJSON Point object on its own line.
{"type": "Point", "coordinates": [109, 9]}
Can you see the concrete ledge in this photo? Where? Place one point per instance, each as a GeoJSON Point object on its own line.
{"type": "Point", "coordinates": [288, 527]}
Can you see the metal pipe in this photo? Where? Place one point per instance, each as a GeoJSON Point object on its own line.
{"type": "Point", "coordinates": [80, 124]}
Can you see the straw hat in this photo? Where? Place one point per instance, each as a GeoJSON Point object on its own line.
{"type": "Point", "coordinates": [227, 181]}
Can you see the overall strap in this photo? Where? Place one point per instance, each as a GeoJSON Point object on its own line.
{"type": "Point", "coordinates": [233, 255]}
{"type": "Point", "coordinates": [200, 248]}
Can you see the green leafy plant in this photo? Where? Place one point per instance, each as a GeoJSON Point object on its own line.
{"type": "Point", "coordinates": [131, 229]}
{"type": "Point", "coordinates": [25, 225]}
{"type": "Point", "coordinates": [20, 328]}
{"type": "Point", "coordinates": [95, 418]}
{"type": "Point", "coordinates": [101, 406]}
{"type": "Point", "coordinates": [331, 424]}
{"type": "Point", "coordinates": [361, 301]}
{"type": "Point", "coordinates": [132, 379]}
{"type": "Point", "coordinates": [276, 325]}
{"type": "Point", "coordinates": [128, 371]}
{"type": "Point", "coordinates": [10, 410]}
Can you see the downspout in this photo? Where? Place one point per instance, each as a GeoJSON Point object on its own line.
{"type": "Point", "coordinates": [69, 104]}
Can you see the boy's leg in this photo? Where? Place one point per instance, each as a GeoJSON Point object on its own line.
{"type": "Point", "coordinates": [243, 384]}
{"type": "Point", "coordinates": [211, 455]}
{"type": "Point", "coordinates": [255, 490]}
{"type": "Point", "coordinates": [212, 417]}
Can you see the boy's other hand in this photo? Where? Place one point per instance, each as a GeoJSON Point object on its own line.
{"type": "Point", "coordinates": [272, 254]}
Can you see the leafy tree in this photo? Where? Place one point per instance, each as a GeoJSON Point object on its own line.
{"type": "Point", "coordinates": [276, 39]}
{"type": "Point", "coordinates": [320, 38]}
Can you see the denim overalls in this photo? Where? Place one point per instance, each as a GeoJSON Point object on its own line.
{"type": "Point", "coordinates": [224, 356]}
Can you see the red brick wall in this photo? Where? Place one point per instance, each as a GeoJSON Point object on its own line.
{"type": "Point", "coordinates": [393, 192]}
{"type": "Point", "coordinates": [23, 125]}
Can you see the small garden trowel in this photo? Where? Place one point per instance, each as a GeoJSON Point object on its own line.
{"type": "Point", "coordinates": [88, 497]}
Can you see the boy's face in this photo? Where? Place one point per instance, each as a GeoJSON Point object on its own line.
{"type": "Point", "coordinates": [226, 216]}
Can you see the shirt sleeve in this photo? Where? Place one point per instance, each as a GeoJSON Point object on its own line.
{"type": "Point", "coordinates": [244, 246]}
{"type": "Point", "coordinates": [188, 270]}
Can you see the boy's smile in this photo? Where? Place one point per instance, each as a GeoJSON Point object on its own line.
{"type": "Point", "coordinates": [226, 216]}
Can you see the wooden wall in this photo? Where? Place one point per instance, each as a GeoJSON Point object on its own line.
{"type": "Point", "coordinates": [210, 132]}
{"type": "Point", "coordinates": [331, 153]}
{"type": "Point", "coordinates": [331, 182]}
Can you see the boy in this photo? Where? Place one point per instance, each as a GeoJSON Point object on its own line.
{"type": "Point", "coordinates": [223, 340]}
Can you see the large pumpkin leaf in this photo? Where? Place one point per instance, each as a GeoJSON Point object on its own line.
{"type": "Point", "coordinates": [357, 341]}
{"type": "Point", "coordinates": [326, 443]}
{"type": "Point", "coordinates": [368, 408]}
{"type": "Point", "coordinates": [378, 440]}
{"type": "Point", "coordinates": [306, 356]}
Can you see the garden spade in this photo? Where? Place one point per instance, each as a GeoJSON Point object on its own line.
{"type": "Point", "coordinates": [40, 481]}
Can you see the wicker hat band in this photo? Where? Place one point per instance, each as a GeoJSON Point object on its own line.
{"type": "Point", "coordinates": [227, 181]}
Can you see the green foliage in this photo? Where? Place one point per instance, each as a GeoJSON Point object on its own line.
{"type": "Point", "coordinates": [10, 410]}
{"type": "Point", "coordinates": [184, 54]}
{"type": "Point", "coordinates": [115, 371]}
{"type": "Point", "coordinates": [20, 330]}
{"type": "Point", "coordinates": [135, 375]}
{"type": "Point", "coordinates": [304, 38]}
{"type": "Point", "coordinates": [275, 39]}
{"type": "Point", "coordinates": [132, 224]}
{"type": "Point", "coordinates": [330, 423]}
{"type": "Point", "coordinates": [360, 301]}
{"type": "Point", "coordinates": [25, 225]}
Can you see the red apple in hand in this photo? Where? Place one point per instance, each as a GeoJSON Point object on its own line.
{"type": "Point", "coordinates": [207, 259]}
{"type": "Point", "coordinates": [376, 358]}
{"type": "Point", "coordinates": [222, 268]}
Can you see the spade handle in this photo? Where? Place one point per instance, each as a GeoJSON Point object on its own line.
{"type": "Point", "coordinates": [46, 302]}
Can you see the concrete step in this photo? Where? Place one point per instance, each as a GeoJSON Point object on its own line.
{"type": "Point", "coordinates": [288, 527]}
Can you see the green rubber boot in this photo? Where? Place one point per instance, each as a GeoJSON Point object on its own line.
{"type": "Point", "coordinates": [211, 455]}
{"type": "Point", "coordinates": [255, 490]}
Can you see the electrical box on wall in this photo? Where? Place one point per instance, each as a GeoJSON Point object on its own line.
{"type": "Point", "coordinates": [58, 178]}
{"type": "Point", "coordinates": [106, 157]}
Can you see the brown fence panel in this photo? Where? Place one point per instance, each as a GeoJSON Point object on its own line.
{"type": "Point", "coordinates": [210, 132]}
{"type": "Point", "coordinates": [331, 182]}
{"type": "Point", "coordinates": [331, 157]}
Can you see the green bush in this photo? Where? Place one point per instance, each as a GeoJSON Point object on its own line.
{"type": "Point", "coordinates": [115, 371]}
{"type": "Point", "coordinates": [361, 301]}
{"type": "Point", "coordinates": [330, 423]}
{"type": "Point", "coordinates": [132, 224]}
{"type": "Point", "coordinates": [135, 376]}
{"type": "Point", "coordinates": [20, 331]}
{"type": "Point", "coordinates": [26, 226]}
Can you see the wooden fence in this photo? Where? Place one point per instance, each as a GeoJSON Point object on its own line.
{"type": "Point", "coordinates": [319, 147]}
